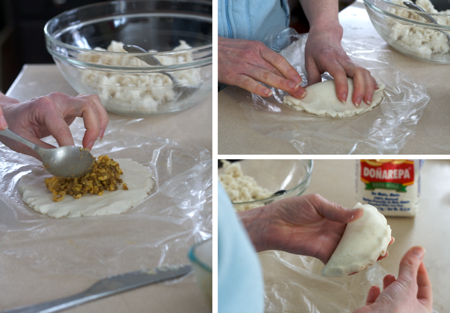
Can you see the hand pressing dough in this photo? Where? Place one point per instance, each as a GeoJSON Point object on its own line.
{"type": "Point", "coordinates": [364, 240]}
{"type": "Point", "coordinates": [37, 196]}
{"type": "Point", "coordinates": [321, 100]}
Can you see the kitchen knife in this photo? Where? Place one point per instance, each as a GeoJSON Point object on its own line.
{"type": "Point", "coordinates": [107, 287]}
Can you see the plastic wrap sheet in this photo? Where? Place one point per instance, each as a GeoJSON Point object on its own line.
{"type": "Point", "coordinates": [158, 231]}
{"type": "Point", "coordinates": [385, 129]}
{"type": "Point", "coordinates": [293, 284]}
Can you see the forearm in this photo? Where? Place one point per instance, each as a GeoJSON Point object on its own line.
{"type": "Point", "coordinates": [257, 223]}
{"type": "Point", "coordinates": [323, 15]}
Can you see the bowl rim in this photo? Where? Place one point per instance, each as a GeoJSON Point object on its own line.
{"type": "Point", "coordinates": [193, 257]}
{"type": "Point", "coordinates": [274, 198]}
{"type": "Point", "coordinates": [50, 38]}
{"type": "Point", "coordinates": [394, 16]}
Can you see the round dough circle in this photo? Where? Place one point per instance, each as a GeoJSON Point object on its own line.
{"type": "Point", "coordinates": [38, 197]}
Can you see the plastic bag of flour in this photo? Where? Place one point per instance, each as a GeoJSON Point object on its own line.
{"type": "Point", "coordinates": [392, 186]}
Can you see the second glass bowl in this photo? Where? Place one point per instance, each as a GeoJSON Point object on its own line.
{"type": "Point", "coordinates": [293, 176]}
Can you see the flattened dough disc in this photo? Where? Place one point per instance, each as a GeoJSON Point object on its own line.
{"type": "Point", "coordinates": [364, 240]}
{"type": "Point", "coordinates": [321, 100]}
{"type": "Point", "coordinates": [37, 196]}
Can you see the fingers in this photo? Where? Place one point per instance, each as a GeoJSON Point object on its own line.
{"type": "Point", "coordinates": [425, 292]}
{"type": "Point", "coordinates": [370, 88]}
{"type": "Point", "coordinates": [363, 82]}
{"type": "Point", "coordinates": [313, 72]}
{"type": "Point", "coordinates": [57, 110]}
{"type": "Point", "coordinates": [387, 280]}
{"type": "Point", "coordinates": [253, 86]}
{"type": "Point", "coordinates": [373, 294]}
{"type": "Point", "coordinates": [271, 79]}
{"type": "Point", "coordinates": [409, 265]}
{"type": "Point", "coordinates": [333, 211]}
{"type": "Point", "coordinates": [3, 123]}
{"type": "Point", "coordinates": [340, 80]}
{"type": "Point", "coordinates": [359, 84]}
{"type": "Point", "coordinates": [281, 64]}
{"type": "Point", "coordinates": [50, 115]}
{"type": "Point", "coordinates": [95, 119]}
{"type": "Point", "coordinates": [246, 64]}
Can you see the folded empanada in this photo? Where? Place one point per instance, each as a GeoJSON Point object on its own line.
{"type": "Point", "coordinates": [363, 242]}
{"type": "Point", "coordinates": [321, 99]}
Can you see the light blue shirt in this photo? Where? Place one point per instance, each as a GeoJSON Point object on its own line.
{"type": "Point", "coordinates": [241, 286]}
{"type": "Point", "coordinates": [252, 19]}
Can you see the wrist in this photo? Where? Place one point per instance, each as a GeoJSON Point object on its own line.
{"type": "Point", "coordinates": [258, 222]}
{"type": "Point", "coordinates": [332, 30]}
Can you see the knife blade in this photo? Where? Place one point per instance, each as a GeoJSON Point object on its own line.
{"type": "Point", "coordinates": [107, 287]}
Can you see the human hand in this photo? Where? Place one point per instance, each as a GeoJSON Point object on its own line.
{"type": "Point", "coordinates": [411, 292]}
{"type": "Point", "coordinates": [52, 115]}
{"type": "Point", "coordinates": [306, 225]}
{"type": "Point", "coordinates": [324, 53]}
{"type": "Point", "coordinates": [244, 63]}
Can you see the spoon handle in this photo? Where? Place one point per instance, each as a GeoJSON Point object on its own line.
{"type": "Point", "coordinates": [12, 135]}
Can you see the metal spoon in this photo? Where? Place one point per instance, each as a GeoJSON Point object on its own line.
{"type": "Point", "coordinates": [67, 161]}
{"type": "Point", "coordinates": [277, 193]}
{"type": "Point", "coordinates": [425, 16]}
{"type": "Point", "coordinates": [183, 92]}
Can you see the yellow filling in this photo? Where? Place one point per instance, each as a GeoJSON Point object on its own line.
{"type": "Point", "coordinates": [105, 175]}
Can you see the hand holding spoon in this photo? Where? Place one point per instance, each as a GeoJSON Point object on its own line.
{"type": "Point", "coordinates": [67, 161]}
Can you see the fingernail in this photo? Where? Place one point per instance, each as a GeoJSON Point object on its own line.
{"type": "Point", "coordinates": [269, 93]}
{"type": "Point", "coordinates": [3, 123]}
{"type": "Point", "coordinates": [297, 79]}
{"type": "Point", "coordinates": [358, 101]}
{"type": "Point", "coordinates": [90, 145]}
{"type": "Point", "coordinates": [102, 133]}
{"type": "Point", "coordinates": [369, 99]}
{"type": "Point", "coordinates": [344, 98]}
{"type": "Point", "coordinates": [301, 94]}
{"type": "Point", "coordinates": [419, 252]}
{"type": "Point", "coordinates": [291, 85]}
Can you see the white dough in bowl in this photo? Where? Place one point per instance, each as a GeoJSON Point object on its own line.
{"type": "Point", "coordinates": [37, 196]}
{"type": "Point", "coordinates": [321, 100]}
{"type": "Point", "coordinates": [363, 242]}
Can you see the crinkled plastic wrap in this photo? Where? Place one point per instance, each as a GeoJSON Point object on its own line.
{"type": "Point", "coordinates": [385, 129]}
{"type": "Point", "coordinates": [293, 284]}
{"type": "Point", "coordinates": [158, 231]}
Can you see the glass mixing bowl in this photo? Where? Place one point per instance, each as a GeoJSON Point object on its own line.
{"type": "Point", "coordinates": [78, 40]}
{"type": "Point", "coordinates": [409, 33]}
{"type": "Point", "coordinates": [291, 176]}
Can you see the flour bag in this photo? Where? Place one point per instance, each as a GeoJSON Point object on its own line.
{"type": "Point", "coordinates": [392, 186]}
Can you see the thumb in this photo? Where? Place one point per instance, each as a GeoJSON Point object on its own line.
{"type": "Point", "coordinates": [332, 211]}
{"type": "Point", "coordinates": [409, 265]}
{"type": "Point", "coordinates": [3, 124]}
{"type": "Point", "coordinates": [313, 72]}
